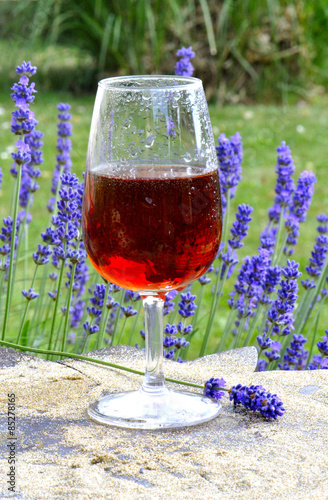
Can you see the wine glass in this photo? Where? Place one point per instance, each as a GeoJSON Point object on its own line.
{"type": "Point", "coordinates": [152, 221]}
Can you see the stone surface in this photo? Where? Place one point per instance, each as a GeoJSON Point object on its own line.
{"type": "Point", "coordinates": [63, 454]}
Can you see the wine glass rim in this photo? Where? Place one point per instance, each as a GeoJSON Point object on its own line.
{"type": "Point", "coordinates": [180, 82]}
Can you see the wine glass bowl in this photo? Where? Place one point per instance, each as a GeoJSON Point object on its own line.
{"type": "Point", "coordinates": [152, 220]}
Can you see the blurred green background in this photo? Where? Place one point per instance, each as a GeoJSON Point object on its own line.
{"type": "Point", "coordinates": [267, 50]}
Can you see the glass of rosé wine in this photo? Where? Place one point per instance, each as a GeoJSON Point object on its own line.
{"type": "Point", "coordinates": [152, 222]}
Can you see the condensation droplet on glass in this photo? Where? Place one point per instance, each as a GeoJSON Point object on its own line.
{"type": "Point", "coordinates": [150, 141]}
{"type": "Point", "coordinates": [187, 157]}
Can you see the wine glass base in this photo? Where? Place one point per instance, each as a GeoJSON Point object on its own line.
{"type": "Point", "coordinates": [146, 410]}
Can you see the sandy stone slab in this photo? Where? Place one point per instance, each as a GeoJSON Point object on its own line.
{"type": "Point", "coordinates": [63, 454]}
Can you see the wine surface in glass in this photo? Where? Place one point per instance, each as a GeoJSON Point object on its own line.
{"type": "Point", "coordinates": [154, 229]}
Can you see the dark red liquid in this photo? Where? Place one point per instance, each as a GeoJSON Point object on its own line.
{"type": "Point", "coordinates": [150, 233]}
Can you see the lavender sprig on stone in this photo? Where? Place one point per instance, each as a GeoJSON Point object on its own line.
{"type": "Point", "coordinates": [257, 399]}
{"type": "Point", "coordinates": [253, 397]}
{"type": "Point", "coordinates": [213, 388]}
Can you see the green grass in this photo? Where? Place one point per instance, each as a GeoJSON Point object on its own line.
{"type": "Point", "coordinates": [263, 128]}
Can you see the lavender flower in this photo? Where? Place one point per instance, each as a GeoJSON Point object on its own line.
{"type": "Point", "coordinates": [30, 294]}
{"type": "Point", "coordinates": [76, 253]}
{"type": "Point", "coordinates": [23, 92]}
{"type": "Point", "coordinates": [90, 329]}
{"type": "Point", "coordinates": [169, 302]}
{"type": "Point", "coordinates": [229, 262]}
{"type": "Point", "coordinates": [262, 365]}
{"type": "Point", "coordinates": [274, 352]}
{"type": "Point", "coordinates": [170, 354]}
{"type": "Point", "coordinates": [323, 344]}
{"type": "Point", "coordinates": [240, 226]}
{"type": "Point", "coordinates": [187, 305]}
{"type": "Point", "coordinates": [303, 195]}
{"type": "Point", "coordinates": [253, 397]}
{"type": "Point", "coordinates": [67, 247]}
{"type": "Point", "coordinates": [5, 237]}
{"type": "Point", "coordinates": [184, 330]}
{"type": "Point", "coordinates": [170, 129]}
{"type": "Point", "coordinates": [184, 67]}
{"type": "Point", "coordinates": [23, 124]}
{"type": "Point", "coordinates": [170, 329]}
{"type": "Point", "coordinates": [248, 286]}
{"type": "Point", "coordinates": [296, 356]}
{"type": "Point", "coordinates": [212, 388]}
{"type": "Point", "coordinates": [323, 219]}
{"type": "Point", "coordinates": [205, 279]}
{"type": "Point", "coordinates": [77, 314]}
{"type": "Point", "coordinates": [26, 69]}
{"type": "Point", "coordinates": [318, 362]}
{"type": "Point", "coordinates": [169, 342]}
{"type": "Point", "coordinates": [238, 232]}
{"type": "Point", "coordinates": [230, 156]}
{"type": "Point", "coordinates": [129, 311]}
{"type": "Point", "coordinates": [40, 257]}
{"type": "Point", "coordinates": [172, 344]}
{"type": "Point", "coordinates": [308, 284]}
{"type": "Point", "coordinates": [64, 147]}
{"type": "Point", "coordinates": [267, 239]}
{"type": "Point", "coordinates": [264, 341]}
{"type": "Point", "coordinates": [281, 312]}
{"type": "Point", "coordinates": [318, 256]}
{"type": "Point", "coordinates": [256, 398]}
{"type": "Point", "coordinates": [298, 208]}
{"type": "Point", "coordinates": [96, 300]}
{"type": "Point", "coordinates": [271, 280]}
{"type": "Point", "coordinates": [53, 295]}
{"type": "Point", "coordinates": [68, 218]}
{"type": "Point", "coordinates": [131, 295]}
{"type": "Point", "coordinates": [181, 343]}
{"type": "Point", "coordinates": [285, 185]}
{"type": "Point", "coordinates": [23, 154]}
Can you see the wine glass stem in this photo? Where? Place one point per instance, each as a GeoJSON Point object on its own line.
{"type": "Point", "coordinates": [154, 381]}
